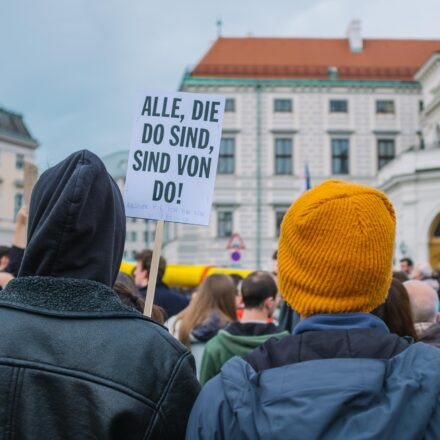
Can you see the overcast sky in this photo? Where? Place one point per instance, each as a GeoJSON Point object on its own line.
{"type": "Point", "coordinates": [72, 67]}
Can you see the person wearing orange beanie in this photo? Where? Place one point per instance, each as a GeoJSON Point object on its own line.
{"type": "Point", "coordinates": [341, 374]}
{"type": "Point", "coordinates": [336, 249]}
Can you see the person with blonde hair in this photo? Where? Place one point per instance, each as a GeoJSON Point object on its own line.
{"type": "Point", "coordinates": [212, 307]}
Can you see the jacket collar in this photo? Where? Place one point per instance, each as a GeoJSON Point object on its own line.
{"type": "Point", "coordinates": [208, 329]}
{"type": "Point", "coordinates": [340, 321]}
{"type": "Point", "coordinates": [253, 328]}
{"type": "Point", "coordinates": [62, 295]}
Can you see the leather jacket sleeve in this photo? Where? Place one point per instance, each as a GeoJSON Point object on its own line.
{"type": "Point", "coordinates": [177, 401]}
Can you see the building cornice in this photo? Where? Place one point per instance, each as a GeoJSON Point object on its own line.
{"type": "Point", "coordinates": [386, 132]}
{"type": "Point", "coordinates": [284, 131]}
{"type": "Point", "coordinates": [418, 175]}
{"type": "Point", "coordinates": [17, 140]}
{"type": "Point", "coordinates": [427, 67]}
{"type": "Point", "coordinates": [280, 205]}
{"type": "Point", "coordinates": [230, 130]}
{"type": "Point", "coordinates": [340, 131]}
{"type": "Point", "coordinates": [432, 106]}
{"type": "Point", "coordinates": [226, 205]}
{"type": "Point", "coordinates": [189, 80]}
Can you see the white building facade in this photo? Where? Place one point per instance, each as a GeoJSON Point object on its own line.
{"type": "Point", "coordinates": [412, 180]}
{"type": "Point", "coordinates": [339, 108]}
{"type": "Point", "coordinates": [429, 77]}
{"type": "Point", "coordinates": [332, 127]}
{"type": "Point", "coordinates": [342, 108]}
{"type": "Point", "coordinates": [17, 146]}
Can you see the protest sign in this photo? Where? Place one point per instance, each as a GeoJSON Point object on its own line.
{"type": "Point", "coordinates": [172, 163]}
{"type": "Point", "coordinates": [173, 157]}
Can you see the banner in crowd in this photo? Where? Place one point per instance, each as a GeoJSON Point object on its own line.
{"type": "Point", "coordinates": [173, 157]}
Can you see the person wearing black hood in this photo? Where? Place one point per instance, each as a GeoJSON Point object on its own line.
{"type": "Point", "coordinates": [74, 361]}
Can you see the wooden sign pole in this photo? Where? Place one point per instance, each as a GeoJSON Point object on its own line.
{"type": "Point", "coordinates": [30, 178]}
{"type": "Point", "coordinates": [152, 276]}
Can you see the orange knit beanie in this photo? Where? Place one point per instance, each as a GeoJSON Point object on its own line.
{"type": "Point", "coordinates": [336, 248]}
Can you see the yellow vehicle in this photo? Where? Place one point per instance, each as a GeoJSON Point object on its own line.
{"type": "Point", "coordinates": [178, 275]}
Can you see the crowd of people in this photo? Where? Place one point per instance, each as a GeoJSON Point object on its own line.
{"type": "Point", "coordinates": [330, 344]}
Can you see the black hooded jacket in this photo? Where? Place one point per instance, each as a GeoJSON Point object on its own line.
{"type": "Point", "coordinates": [74, 362]}
{"type": "Point", "coordinates": [76, 223]}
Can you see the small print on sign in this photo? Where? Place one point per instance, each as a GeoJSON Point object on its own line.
{"type": "Point", "coordinates": [173, 157]}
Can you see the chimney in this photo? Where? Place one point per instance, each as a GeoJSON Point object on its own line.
{"type": "Point", "coordinates": [354, 36]}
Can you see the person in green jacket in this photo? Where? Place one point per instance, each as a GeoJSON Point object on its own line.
{"type": "Point", "coordinates": [259, 292]}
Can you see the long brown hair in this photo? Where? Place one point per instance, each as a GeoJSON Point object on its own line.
{"type": "Point", "coordinates": [128, 295]}
{"type": "Point", "coordinates": [396, 311]}
{"type": "Point", "coordinates": [215, 295]}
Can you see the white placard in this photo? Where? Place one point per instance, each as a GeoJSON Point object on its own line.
{"type": "Point", "coordinates": [173, 157]}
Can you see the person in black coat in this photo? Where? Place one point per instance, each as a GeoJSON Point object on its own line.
{"type": "Point", "coordinates": [170, 301]}
{"type": "Point", "coordinates": [74, 361]}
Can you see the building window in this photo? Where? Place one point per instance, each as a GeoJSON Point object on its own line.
{"type": "Point", "coordinates": [283, 156]}
{"type": "Point", "coordinates": [230, 105]}
{"type": "Point", "coordinates": [421, 106]}
{"type": "Point", "coordinates": [18, 202]}
{"type": "Point", "coordinates": [282, 105]}
{"type": "Point", "coordinates": [338, 106]}
{"type": "Point", "coordinates": [122, 165]}
{"type": "Point", "coordinates": [133, 236]}
{"type": "Point", "coordinates": [437, 231]}
{"type": "Point", "coordinates": [384, 106]}
{"type": "Point", "coordinates": [385, 152]}
{"type": "Point", "coordinates": [147, 236]}
{"type": "Point", "coordinates": [133, 255]}
{"type": "Point", "coordinates": [224, 224]}
{"type": "Point", "coordinates": [19, 161]}
{"type": "Point", "coordinates": [340, 156]}
{"type": "Point", "coordinates": [166, 233]}
{"type": "Point", "coordinates": [421, 140]}
{"type": "Point", "coordinates": [226, 156]}
{"type": "Point", "coordinates": [279, 215]}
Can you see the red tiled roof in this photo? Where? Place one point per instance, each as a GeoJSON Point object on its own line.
{"type": "Point", "coordinates": [311, 57]}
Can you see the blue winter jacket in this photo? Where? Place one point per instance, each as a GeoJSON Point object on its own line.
{"type": "Point", "coordinates": [396, 398]}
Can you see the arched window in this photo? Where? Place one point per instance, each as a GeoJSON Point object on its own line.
{"type": "Point", "coordinates": [437, 230]}
{"type": "Point", "coordinates": [434, 242]}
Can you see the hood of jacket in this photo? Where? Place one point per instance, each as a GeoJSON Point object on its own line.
{"type": "Point", "coordinates": [325, 399]}
{"type": "Point", "coordinates": [241, 344]}
{"type": "Point", "coordinates": [355, 335]}
{"type": "Point", "coordinates": [208, 329]}
{"type": "Point", "coordinates": [251, 328]}
{"type": "Point", "coordinates": [76, 225]}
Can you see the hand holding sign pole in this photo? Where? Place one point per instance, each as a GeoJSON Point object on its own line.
{"type": "Point", "coordinates": [172, 163]}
